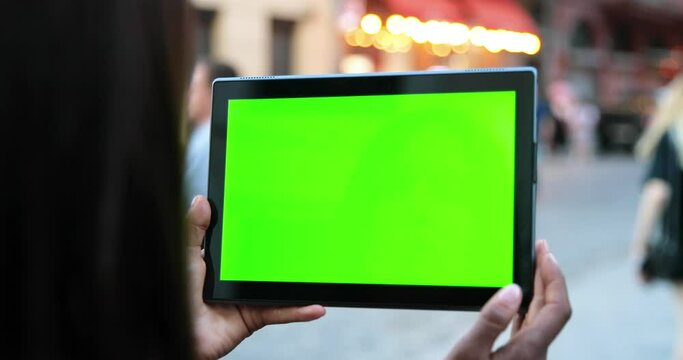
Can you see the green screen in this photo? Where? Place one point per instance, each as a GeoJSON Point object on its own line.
{"type": "Point", "coordinates": [411, 189]}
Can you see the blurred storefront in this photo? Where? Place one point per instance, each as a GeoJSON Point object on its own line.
{"type": "Point", "coordinates": [612, 55]}
{"type": "Point", "coordinates": [262, 37]}
{"type": "Point", "coordinates": [615, 54]}
{"type": "Point", "coordinates": [396, 35]}
{"type": "Point", "coordinates": [614, 49]}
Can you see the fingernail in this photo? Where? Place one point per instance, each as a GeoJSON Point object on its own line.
{"type": "Point", "coordinates": [545, 246]}
{"type": "Point", "coordinates": [552, 258]}
{"type": "Point", "coordinates": [194, 200]}
{"type": "Point", "coordinates": [510, 295]}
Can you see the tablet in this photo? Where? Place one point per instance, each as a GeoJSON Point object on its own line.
{"type": "Point", "coordinates": [401, 190]}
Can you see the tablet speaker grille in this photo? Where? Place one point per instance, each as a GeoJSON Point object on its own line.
{"type": "Point", "coordinates": [484, 70]}
{"type": "Point", "coordinates": [256, 77]}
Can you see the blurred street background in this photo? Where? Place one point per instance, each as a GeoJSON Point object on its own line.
{"type": "Point", "coordinates": [602, 65]}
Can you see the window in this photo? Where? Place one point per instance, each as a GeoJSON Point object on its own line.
{"type": "Point", "coordinates": [583, 36]}
{"type": "Point", "coordinates": [283, 33]}
{"type": "Point", "coordinates": [204, 21]}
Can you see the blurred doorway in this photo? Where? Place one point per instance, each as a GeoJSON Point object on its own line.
{"type": "Point", "coordinates": [283, 34]}
{"type": "Point", "coordinates": [204, 21]}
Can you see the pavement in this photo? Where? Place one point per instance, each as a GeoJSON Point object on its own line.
{"type": "Point", "coordinates": [586, 210]}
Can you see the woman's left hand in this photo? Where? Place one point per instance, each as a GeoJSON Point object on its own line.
{"type": "Point", "coordinates": [533, 332]}
{"type": "Point", "coordinates": [219, 328]}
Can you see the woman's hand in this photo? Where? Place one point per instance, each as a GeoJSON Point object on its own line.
{"type": "Point", "coordinates": [220, 328]}
{"type": "Point", "coordinates": [532, 333]}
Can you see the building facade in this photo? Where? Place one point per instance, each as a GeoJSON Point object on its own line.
{"type": "Point", "coordinates": [612, 50]}
{"type": "Point", "coordinates": [264, 37]}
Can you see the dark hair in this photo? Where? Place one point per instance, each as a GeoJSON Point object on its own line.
{"type": "Point", "coordinates": [93, 257]}
{"type": "Point", "coordinates": [217, 70]}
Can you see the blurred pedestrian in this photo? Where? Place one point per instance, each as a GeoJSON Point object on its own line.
{"type": "Point", "coordinates": [196, 172]}
{"type": "Point", "coordinates": [576, 120]}
{"type": "Point", "coordinates": [658, 241]}
{"type": "Point", "coordinates": [546, 126]}
{"type": "Point", "coordinates": [582, 130]}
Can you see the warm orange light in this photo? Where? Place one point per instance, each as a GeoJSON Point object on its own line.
{"type": "Point", "coordinates": [363, 39]}
{"type": "Point", "coordinates": [441, 50]}
{"type": "Point", "coordinates": [533, 44]}
{"type": "Point", "coordinates": [461, 49]}
{"type": "Point", "coordinates": [399, 34]}
{"type": "Point", "coordinates": [431, 29]}
{"type": "Point", "coordinates": [411, 26]}
{"type": "Point", "coordinates": [350, 37]}
{"type": "Point", "coordinates": [478, 35]}
{"type": "Point", "coordinates": [396, 24]}
{"type": "Point", "coordinates": [513, 42]}
{"type": "Point", "coordinates": [403, 43]}
{"type": "Point", "coordinates": [419, 33]}
{"type": "Point", "coordinates": [356, 63]}
{"type": "Point", "coordinates": [438, 32]}
{"type": "Point", "coordinates": [494, 41]}
{"type": "Point", "coordinates": [458, 34]}
{"type": "Point", "coordinates": [371, 24]}
{"type": "Point", "coordinates": [384, 41]}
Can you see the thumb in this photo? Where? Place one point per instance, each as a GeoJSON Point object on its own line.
{"type": "Point", "coordinates": [494, 318]}
{"type": "Point", "coordinates": [198, 220]}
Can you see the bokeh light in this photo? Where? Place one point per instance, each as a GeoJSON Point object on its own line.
{"type": "Point", "coordinates": [371, 24]}
{"type": "Point", "coordinates": [396, 24]}
{"type": "Point", "coordinates": [400, 32]}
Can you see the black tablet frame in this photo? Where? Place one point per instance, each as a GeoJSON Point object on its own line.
{"type": "Point", "coordinates": [521, 80]}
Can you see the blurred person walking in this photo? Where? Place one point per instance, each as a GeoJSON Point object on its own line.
{"type": "Point", "coordinates": [658, 241]}
{"type": "Point", "coordinates": [561, 104]}
{"type": "Point", "coordinates": [582, 130]}
{"type": "Point", "coordinates": [576, 119]}
{"type": "Point", "coordinates": [196, 172]}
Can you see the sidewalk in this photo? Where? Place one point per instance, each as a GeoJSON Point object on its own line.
{"type": "Point", "coordinates": [616, 318]}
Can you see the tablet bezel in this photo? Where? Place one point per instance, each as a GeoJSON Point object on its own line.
{"type": "Point", "coordinates": [520, 80]}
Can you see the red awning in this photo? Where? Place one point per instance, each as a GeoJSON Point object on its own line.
{"type": "Point", "coordinates": [492, 14]}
